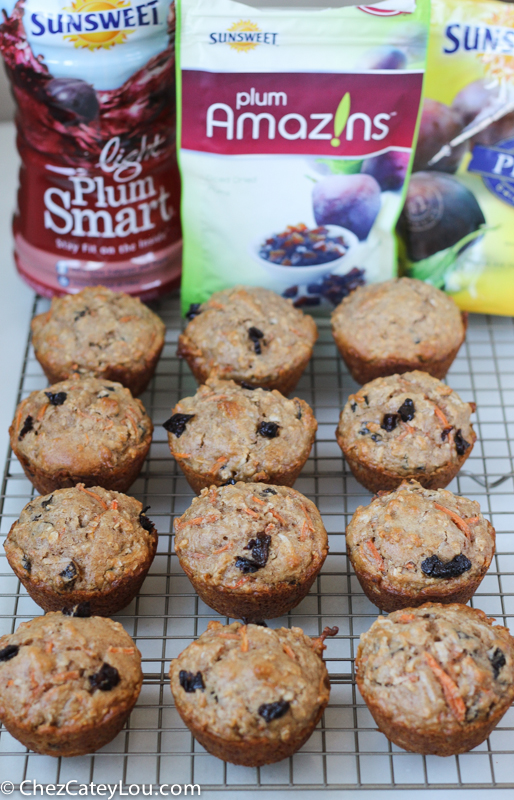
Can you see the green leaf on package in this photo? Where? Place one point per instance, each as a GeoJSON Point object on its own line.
{"type": "Point", "coordinates": [339, 166]}
{"type": "Point", "coordinates": [436, 268]}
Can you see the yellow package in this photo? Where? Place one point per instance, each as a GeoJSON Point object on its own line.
{"type": "Point", "coordinates": [457, 226]}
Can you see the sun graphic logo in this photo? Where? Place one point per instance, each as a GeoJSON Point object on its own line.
{"type": "Point", "coordinates": [105, 23]}
{"type": "Point", "coordinates": [247, 39]}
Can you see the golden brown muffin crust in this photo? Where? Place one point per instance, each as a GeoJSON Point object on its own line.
{"type": "Point", "coordinates": [53, 679]}
{"type": "Point", "coordinates": [235, 433]}
{"type": "Point", "coordinates": [404, 321]}
{"type": "Point", "coordinates": [99, 333]}
{"type": "Point", "coordinates": [80, 540]}
{"type": "Point", "coordinates": [440, 672]}
{"type": "Point", "coordinates": [245, 670]}
{"type": "Point", "coordinates": [249, 334]}
{"type": "Point", "coordinates": [416, 544]}
{"type": "Point", "coordinates": [80, 429]}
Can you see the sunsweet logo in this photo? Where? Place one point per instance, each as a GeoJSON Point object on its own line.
{"type": "Point", "coordinates": [493, 39]}
{"type": "Point", "coordinates": [244, 36]}
{"type": "Point", "coordinates": [95, 24]}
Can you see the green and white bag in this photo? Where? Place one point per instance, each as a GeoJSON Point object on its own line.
{"type": "Point", "coordinates": [296, 129]}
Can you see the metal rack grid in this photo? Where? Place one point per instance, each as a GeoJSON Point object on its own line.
{"type": "Point", "coordinates": [346, 750]}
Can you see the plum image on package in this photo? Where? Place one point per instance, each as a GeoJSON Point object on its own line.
{"type": "Point", "coordinates": [295, 135]}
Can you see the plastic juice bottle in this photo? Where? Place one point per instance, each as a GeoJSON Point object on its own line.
{"type": "Point", "coordinates": [98, 199]}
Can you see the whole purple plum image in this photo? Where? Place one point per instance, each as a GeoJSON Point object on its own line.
{"type": "Point", "coordinates": [351, 201]}
{"type": "Point", "coordinates": [473, 98]}
{"type": "Point", "coordinates": [74, 96]}
{"type": "Point", "coordinates": [388, 169]}
{"type": "Point", "coordinates": [439, 125]}
{"type": "Point", "coordinates": [439, 211]}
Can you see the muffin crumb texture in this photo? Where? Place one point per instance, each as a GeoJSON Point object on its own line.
{"type": "Point", "coordinates": [405, 426]}
{"type": "Point", "coordinates": [398, 326]}
{"type": "Point", "coordinates": [249, 334]}
{"type": "Point", "coordinates": [228, 432]}
{"type": "Point", "coordinates": [251, 695]}
{"type": "Point", "coordinates": [416, 544]}
{"type": "Point", "coordinates": [99, 333]}
{"type": "Point", "coordinates": [67, 682]}
{"type": "Point", "coordinates": [437, 678]}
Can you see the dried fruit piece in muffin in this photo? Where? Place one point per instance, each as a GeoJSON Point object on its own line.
{"type": "Point", "coordinates": [405, 426]}
{"type": "Point", "coordinates": [437, 679]}
{"type": "Point", "coordinates": [81, 545]}
{"type": "Point", "coordinates": [398, 326]}
{"type": "Point", "coordinates": [251, 695]}
{"type": "Point", "coordinates": [251, 553]}
{"type": "Point", "coordinates": [230, 433]}
{"type": "Point", "coordinates": [98, 435]}
{"type": "Point", "coordinates": [68, 684]}
{"type": "Point", "coordinates": [99, 333]}
{"type": "Point", "coordinates": [416, 544]}
{"type": "Point", "coordinates": [249, 334]}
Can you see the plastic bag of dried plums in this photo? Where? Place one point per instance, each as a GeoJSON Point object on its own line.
{"type": "Point", "coordinates": [457, 226]}
{"type": "Point", "coordinates": [296, 132]}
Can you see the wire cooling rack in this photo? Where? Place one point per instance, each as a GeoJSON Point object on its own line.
{"type": "Point", "coordinates": [346, 750]}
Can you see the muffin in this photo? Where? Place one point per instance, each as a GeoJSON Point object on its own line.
{"type": "Point", "coordinates": [248, 335]}
{"type": "Point", "coordinates": [83, 430]}
{"type": "Point", "coordinates": [251, 551]}
{"type": "Point", "coordinates": [416, 544]}
{"type": "Point", "coordinates": [405, 426]}
{"type": "Point", "coordinates": [68, 683]}
{"type": "Point", "coordinates": [82, 546]}
{"type": "Point", "coordinates": [101, 334]}
{"type": "Point", "coordinates": [249, 694]}
{"type": "Point", "coordinates": [398, 326]}
{"type": "Point", "coordinates": [437, 679]}
{"type": "Point", "coordinates": [228, 433]}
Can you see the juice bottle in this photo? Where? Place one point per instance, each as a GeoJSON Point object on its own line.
{"type": "Point", "coordinates": [98, 199]}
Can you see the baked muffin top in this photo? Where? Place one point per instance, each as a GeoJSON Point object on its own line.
{"type": "Point", "coordinates": [95, 329]}
{"type": "Point", "coordinates": [403, 319]}
{"type": "Point", "coordinates": [229, 432]}
{"type": "Point", "coordinates": [406, 423]}
{"type": "Point", "coordinates": [61, 671]}
{"type": "Point", "coordinates": [415, 538]}
{"type": "Point", "coordinates": [436, 666]}
{"type": "Point", "coordinates": [250, 536]}
{"type": "Point", "coordinates": [247, 681]}
{"type": "Point", "coordinates": [81, 539]}
{"type": "Point", "coordinates": [80, 425]}
{"type": "Point", "coordinates": [248, 334]}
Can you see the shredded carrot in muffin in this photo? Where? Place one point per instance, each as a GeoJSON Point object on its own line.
{"type": "Point", "coordinates": [376, 555]}
{"type": "Point", "coordinates": [289, 651]}
{"type": "Point", "coordinates": [92, 494]}
{"type": "Point", "coordinates": [440, 415]}
{"type": "Point", "coordinates": [256, 500]}
{"type": "Point", "coordinates": [250, 512]}
{"type": "Point", "coordinates": [458, 521]}
{"type": "Point", "coordinates": [277, 516]}
{"type": "Point", "coordinates": [243, 632]}
{"type": "Point", "coordinates": [449, 687]}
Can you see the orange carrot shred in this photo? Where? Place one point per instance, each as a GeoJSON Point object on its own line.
{"type": "Point", "coordinates": [92, 494]}
{"type": "Point", "coordinates": [406, 617]}
{"type": "Point", "coordinates": [277, 516]}
{"type": "Point", "coordinates": [243, 632]}
{"type": "Point", "coordinates": [114, 505]}
{"type": "Point", "coordinates": [308, 519]}
{"type": "Point", "coordinates": [303, 534]}
{"type": "Point", "coordinates": [370, 544]}
{"type": "Point", "coordinates": [250, 512]}
{"type": "Point", "coordinates": [41, 412]}
{"type": "Point", "coordinates": [289, 651]}
{"type": "Point", "coordinates": [256, 500]}
{"type": "Point", "coordinates": [222, 549]}
{"type": "Point", "coordinates": [458, 521]}
{"type": "Point", "coordinates": [127, 650]}
{"type": "Point", "coordinates": [239, 583]}
{"type": "Point", "coordinates": [213, 496]}
{"type": "Point", "coordinates": [221, 460]}
{"type": "Point", "coordinates": [440, 415]}
{"type": "Point", "coordinates": [182, 455]}
{"type": "Point", "coordinates": [472, 519]}
{"type": "Point", "coordinates": [449, 687]}
{"type": "Point", "coordinates": [195, 521]}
